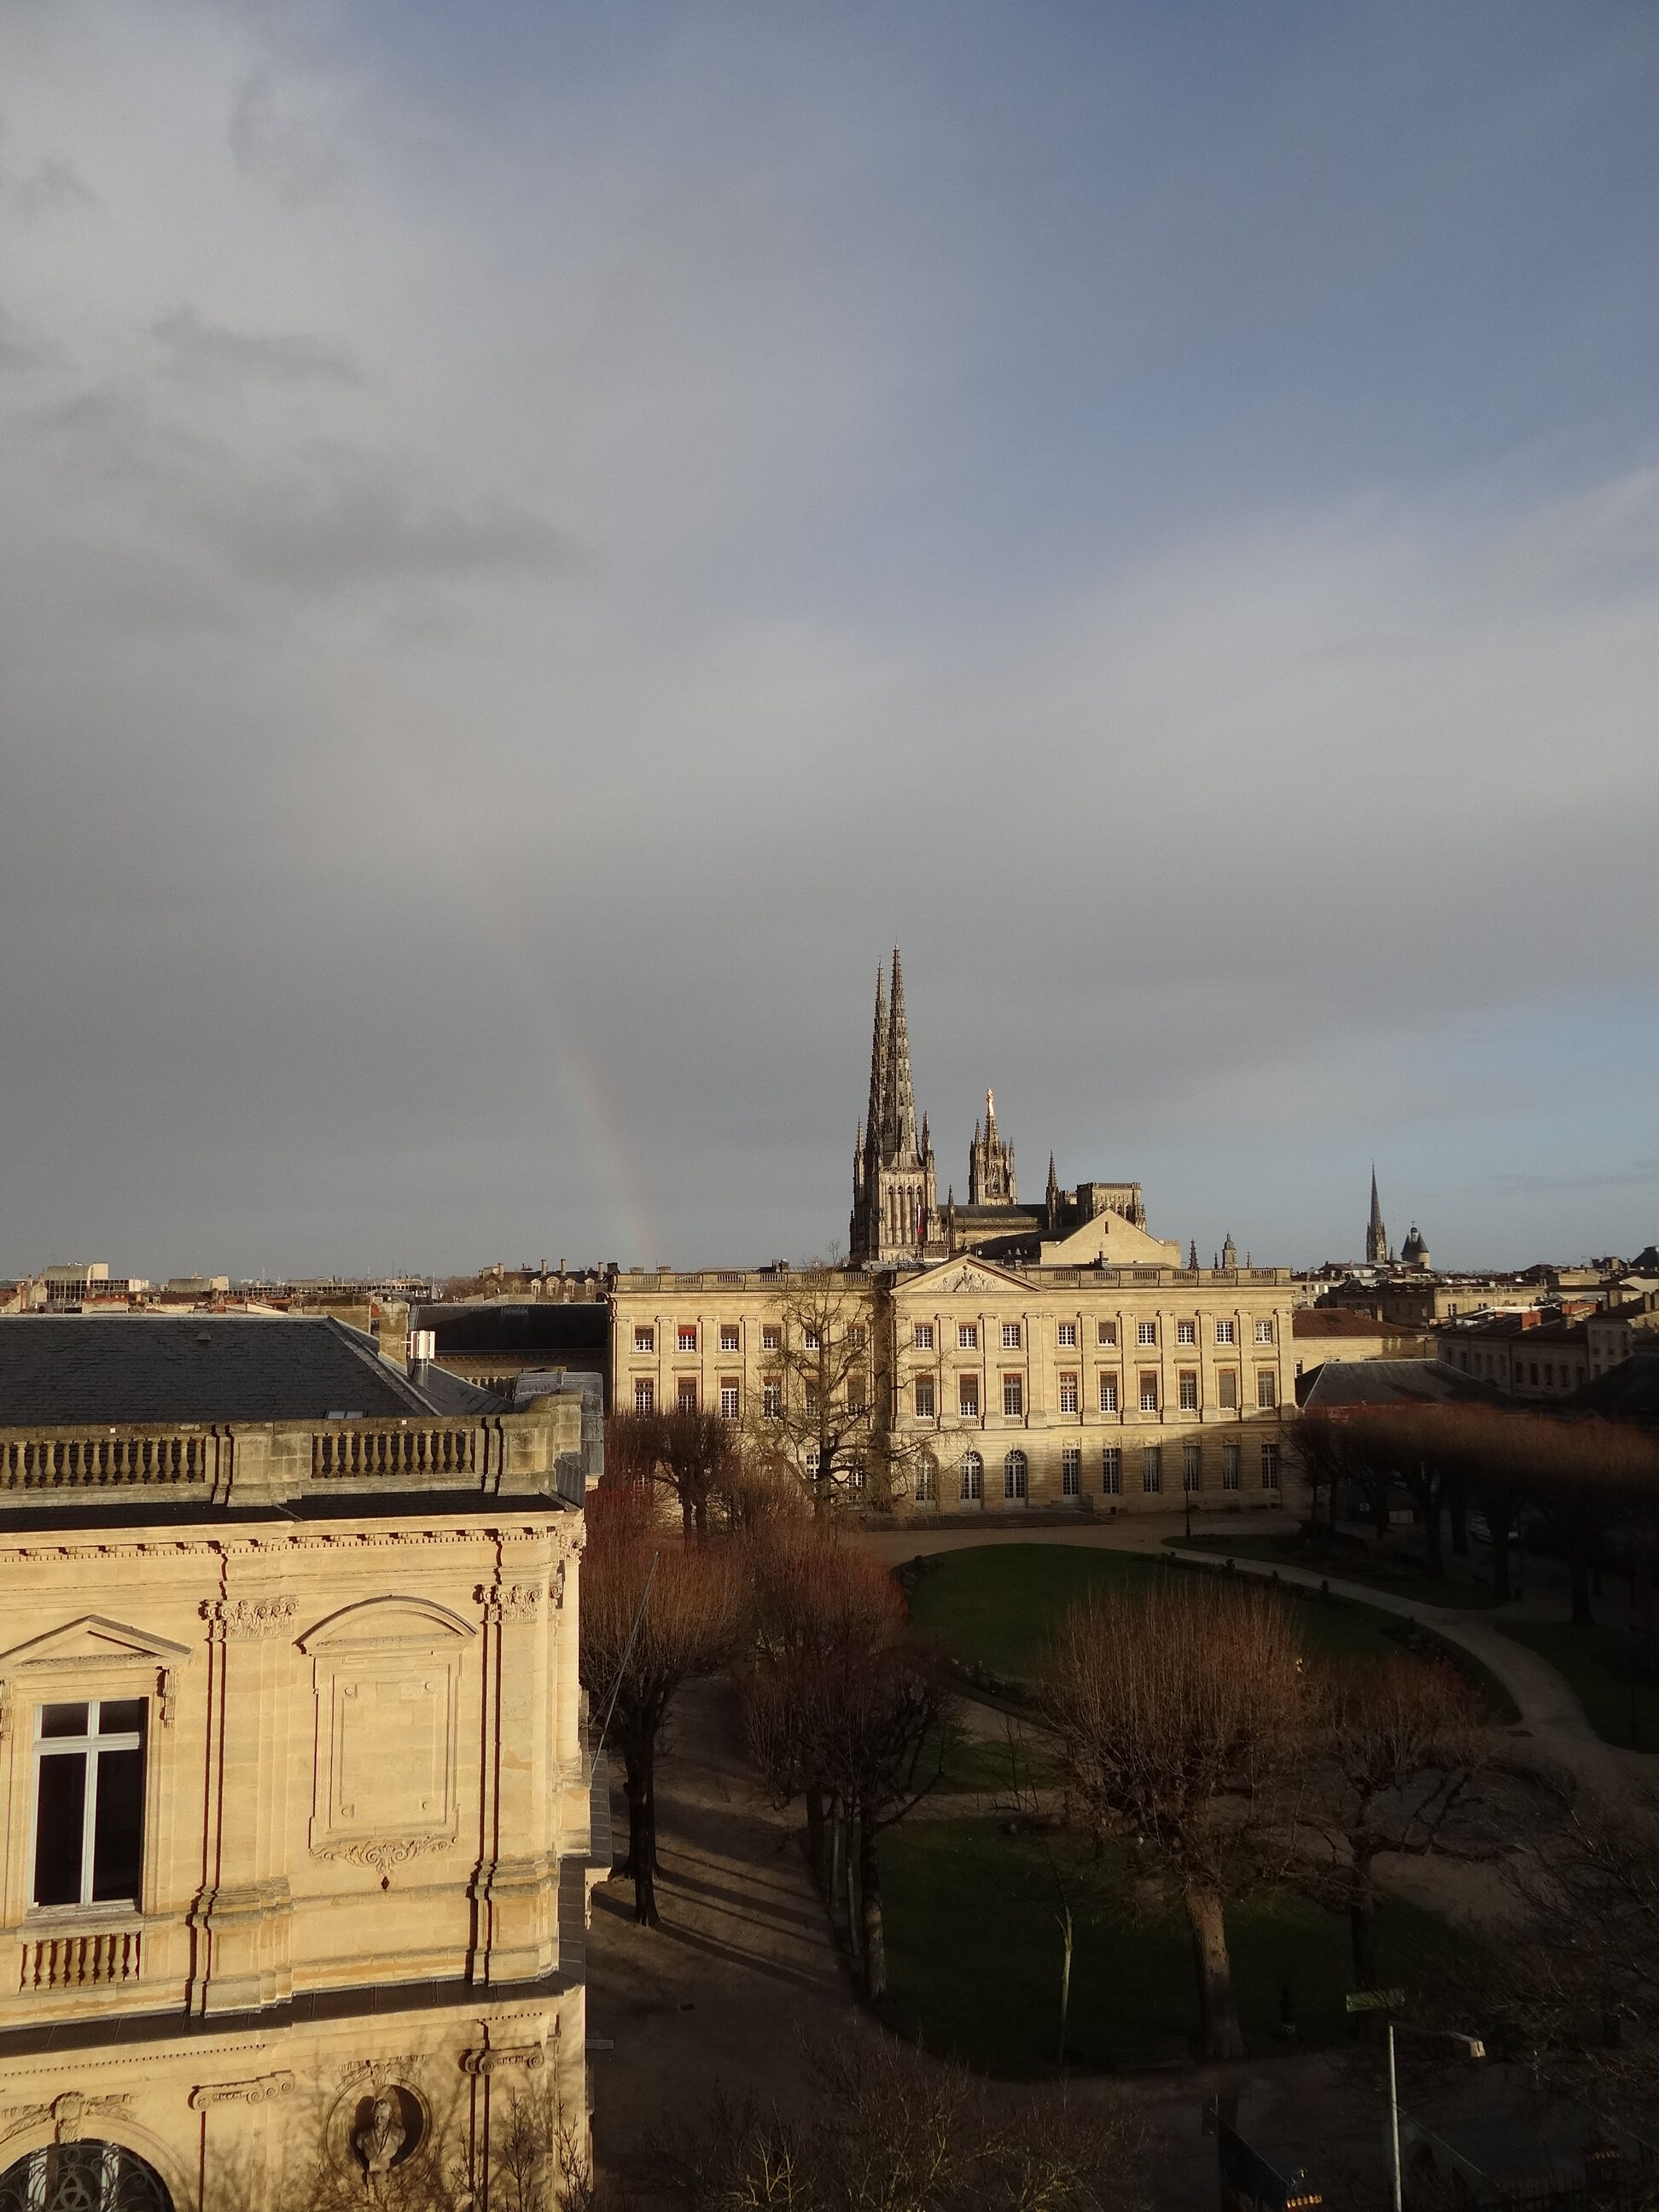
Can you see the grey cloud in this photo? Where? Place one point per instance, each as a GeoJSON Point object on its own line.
{"type": "Point", "coordinates": [54, 183]}
{"type": "Point", "coordinates": [276, 135]}
{"type": "Point", "coordinates": [195, 348]}
{"type": "Point", "coordinates": [1641, 1176]}
{"type": "Point", "coordinates": [17, 352]}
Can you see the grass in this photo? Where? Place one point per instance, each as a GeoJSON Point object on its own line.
{"type": "Point", "coordinates": [1591, 1661]}
{"type": "Point", "coordinates": [1401, 1577]}
{"type": "Point", "coordinates": [990, 1766]}
{"type": "Point", "coordinates": [973, 1948]}
{"type": "Point", "coordinates": [994, 1605]}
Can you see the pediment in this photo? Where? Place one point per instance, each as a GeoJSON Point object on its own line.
{"type": "Point", "coordinates": [92, 1638]}
{"type": "Point", "coordinates": [378, 1621]}
{"type": "Point", "coordinates": [965, 1278]}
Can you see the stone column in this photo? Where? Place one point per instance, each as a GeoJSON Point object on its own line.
{"type": "Point", "coordinates": [242, 1919]}
{"type": "Point", "coordinates": [515, 1890]}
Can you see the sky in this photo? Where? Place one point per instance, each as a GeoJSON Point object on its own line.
{"type": "Point", "coordinates": [539, 542]}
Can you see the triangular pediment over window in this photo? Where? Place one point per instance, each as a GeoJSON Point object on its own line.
{"type": "Point", "coordinates": [92, 1636]}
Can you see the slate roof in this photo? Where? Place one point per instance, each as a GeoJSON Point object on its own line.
{"type": "Point", "coordinates": [536, 1326]}
{"type": "Point", "coordinates": [205, 1368]}
{"type": "Point", "coordinates": [1338, 1382]}
{"type": "Point", "coordinates": [1627, 1392]}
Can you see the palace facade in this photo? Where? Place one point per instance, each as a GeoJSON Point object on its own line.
{"type": "Point", "coordinates": [296, 1811]}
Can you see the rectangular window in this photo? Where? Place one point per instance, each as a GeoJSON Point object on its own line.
{"type": "Point", "coordinates": [771, 1399]}
{"type": "Point", "coordinates": [857, 1392]}
{"type": "Point", "coordinates": [1066, 1335]}
{"type": "Point", "coordinates": [1226, 1389]}
{"type": "Point", "coordinates": [855, 1335]}
{"type": "Point", "coordinates": [1148, 1391]}
{"type": "Point", "coordinates": [1266, 1388]}
{"type": "Point", "coordinates": [1014, 1395]}
{"type": "Point", "coordinates": [730, 1399]}
{"type": "Point", "coordinates": [1010, 1336]}
{"type": "Point", "coordinates": [926, 1480]}
{"type": "Point", "coordinates": [1108, 1394]}
{"type": "Point", "coordinates": [967, 1336]}
{"type": "Point", "coordinates": [1105, 1332]}
{"type": "Point", "coordinates": [1230, 1467]}
{"type": "Point", "coordinates": [1070, 1472]}
{"type": "Point", "coordinates": [1270, 1466]}
{"type": "Point", "coordinates": [1186, 1332]}
{"type": "Point", "coordinates": [644, 1394]}
{"type": "Point", "coordinates": [812, 1337]}
{"type": "Point", "coordinates": [771, 1336]}
{"type": "Point", "coordinates": [729, 1338]}
{"type": "Point", "coordinates": [1264, 1331]}
{"type": "Point", "coordinates": [1068, 1394]}
{"type": "Point", "coordinates": [89, 1803]}
{"type": "Point", "coordinates": [645, 1339]}
{"type": "Point", "coordinates": [1188, 1390]}
{"type": "Point", "coordinates": [1151, 1468]}
{"type": "Point", "coordinates": [973, 1478]}
{"type": "Point", "coordinates": [924, 1397]}
{"type": "Point", "coordinates": [1192, 1467]}
{"type": "Point", "coordinates": [922, 1336]}
{"type": "Point", "coordinates": [686, 1393]}
{"type": "Point", "coordinates": [1111, 1471]}
{"type": "Point", "coordinates": [688, 1335]}
{"type": "Point", "coordinates": [968, 1396]}
{"type": "Point", "coordinates": [1224, 1332]}
{"type": "Point", "coordinates": [1146, 1333]}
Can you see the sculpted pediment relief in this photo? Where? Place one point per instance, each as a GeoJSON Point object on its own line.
{"type": "Point", "coordinates": [378, 1621]}
{"type": "Point", "coordinates": [960, 1278]}
{"type": "Point", "coordinates": [91, 1639]}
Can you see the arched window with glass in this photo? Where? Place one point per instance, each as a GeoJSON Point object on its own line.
{"type": "Point", "coordinates": [973, 1479]}
{"type": "Point", "coordinates": [1014, 1478]}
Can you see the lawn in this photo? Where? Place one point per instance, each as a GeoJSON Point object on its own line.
{"type": "Point", "coordinates": [993, 1606]}
{"type": "Point", "coordinates": [1589, 1659]}
{"type": "Point", "coordinates": [974, 1950]}
{"type": "Point", "coordinates": [1398, 1577]}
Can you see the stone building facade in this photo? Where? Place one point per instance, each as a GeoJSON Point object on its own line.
{"type": "Point", "coordinates": [295, 1807]}
{"type": "Point", "coordinates": [1081, 1389]}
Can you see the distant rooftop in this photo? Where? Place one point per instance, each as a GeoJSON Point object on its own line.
{"type": "Point", "coordinates": [206, 1368]}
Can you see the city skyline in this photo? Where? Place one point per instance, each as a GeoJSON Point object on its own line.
{"type": "Point", "coordinates": [539, 547]}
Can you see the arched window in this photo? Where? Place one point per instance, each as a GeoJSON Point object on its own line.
{"type": "Point", "coordinates": [973, 1487]}
{"type": "Point", "coordinates": [927, 1479]}
{"type": "Point", "coordinates": [1013, 1475]}
{"type": "Point", "coordinates": [83, 2177]}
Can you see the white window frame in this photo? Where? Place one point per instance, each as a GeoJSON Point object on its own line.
{"type": "Point", "coordinates": [645, 1393]}
{"type": "Point", "coordinates": [971, 1473]}
{"type": "Point", "coordinates": [1186, 1332]}
{"type": "Point", "coordinates": [645, 1337]}
{"type": "Point", "coordinates": [967, 1336]}
{"type": "Point", "coordinates": [1264, 1331]}
{"type": "Point", "coordinates": [921, 1336]}
{"type": "Point", "coordinates": [731, 1337]}
{"type": "Point", "coordinates": [1066, 1335]}
{"type": "Point", "coordinates": [683, 1329]}
{"type": "Point", "coordinates": [1147, 1335]}
{"type": "Point", "coordinates": [1068, 1399]}
{"type": "Point", "coordinates": [1224, 1332]}
{"type": "Point", "coordinates": [1111, 1470]}
{"type": "Point", "coordinates": [87, 1747]}
{"type": "Point", "coordinates": [1108, 1394]}
{"type": "Point", "coordinates": [731, 1401]}
{"type": "Point", "coordinates": [1071, 1471]}
{"type": "Point", "coordinates": [1010, 1336]}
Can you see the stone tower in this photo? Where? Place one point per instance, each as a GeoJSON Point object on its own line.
{"type": "Point", "coordinates": [991, 1164]}
{"type": "Point", "coordinates": [895, 1195]}
{"type": "Point", "coordinates": [1377, 1237]}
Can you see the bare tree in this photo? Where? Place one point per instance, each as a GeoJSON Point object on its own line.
{"type": "Point", "coordinates": [638, 1644]}
{"type": "Point", "coordinates": [1402, 1742]}
{"type": "Point", "coordinates": [888, 2130]}
{"type": "Point", "coordinates": [698, 1448]}
{"type": "Point", "coordinates": [839, 1711]}
{"type": "Point", "coordinates": [815, 1413]}
{"type": "Point", "coordinates": [1175, 1712]}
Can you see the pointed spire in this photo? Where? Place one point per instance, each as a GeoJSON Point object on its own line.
{"type": "Point", "coordinates": [1192, 1255]}
{"type": "Point", "coordinates": [926, 1141]}
{"type": "Point", "coordinates": [1054, 1180]}
{"type": "Point", "coordinates": [878, 1063]}
{"type": "Point", "coordinates": [899, 1130]}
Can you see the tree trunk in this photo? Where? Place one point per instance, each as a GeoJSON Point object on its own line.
{"type": "Point", "coordinates": [1460, 1528]}
{"type": "Point", "coordinates": [1218, 2029]}
{"type": "Point", "coordinates": [815, 1837]}
{"type": "Point", "coordinates": [703, 1519]}
{"type": "Point", "coordinates": [1362, 1920]}
{"type": "Point", "coordinates": [837, 1864]}
{"type": "Point", "coordinates": [640, 1787]}
{"type": "Point", "coordinates": [1433, 1558]}
{"type": "Point", "coordinates": [1497, 1526]}
{"type": "Point", "coordinates": [1578, 1567]}
{"type": "Point", "coordinates": [853, 1942]}
{"type": "Point", "coordinates": [875, 1936]}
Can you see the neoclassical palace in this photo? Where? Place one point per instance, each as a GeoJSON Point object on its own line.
{"type": "Point", "coordinates": [1020, 1357]}
{"type": "Point", "coordinates": [295, 1802]}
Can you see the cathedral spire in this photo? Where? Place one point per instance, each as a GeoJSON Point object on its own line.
{"type": "Point", "coordinates": [899, 1130]}
{"type": "Point", "coordinates": [1377, 1237]}
{"type": "Point", "coordinates": [879, 1065]}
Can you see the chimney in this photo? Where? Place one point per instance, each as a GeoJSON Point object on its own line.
{"type": "Point", "coordinates": [391, 1333]}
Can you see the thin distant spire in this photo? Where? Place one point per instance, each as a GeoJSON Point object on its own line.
{"type": "Point", "coordinates": [900, 1127]}
{"type": "Point", "coordinates": [878, 1062]}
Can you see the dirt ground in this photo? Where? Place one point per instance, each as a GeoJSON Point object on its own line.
{"type": "Point", "coordinates": [742, 1981]}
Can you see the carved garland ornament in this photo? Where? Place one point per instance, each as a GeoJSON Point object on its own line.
{"type": "Point", "coordinates": [246, 1619]}
{"type": "Point", "coordinates": [263, 2089]}
{"type": "Point", "coordinates": [381, 1853]}
{"type": "Point", "coordinates": [509, 1600]}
